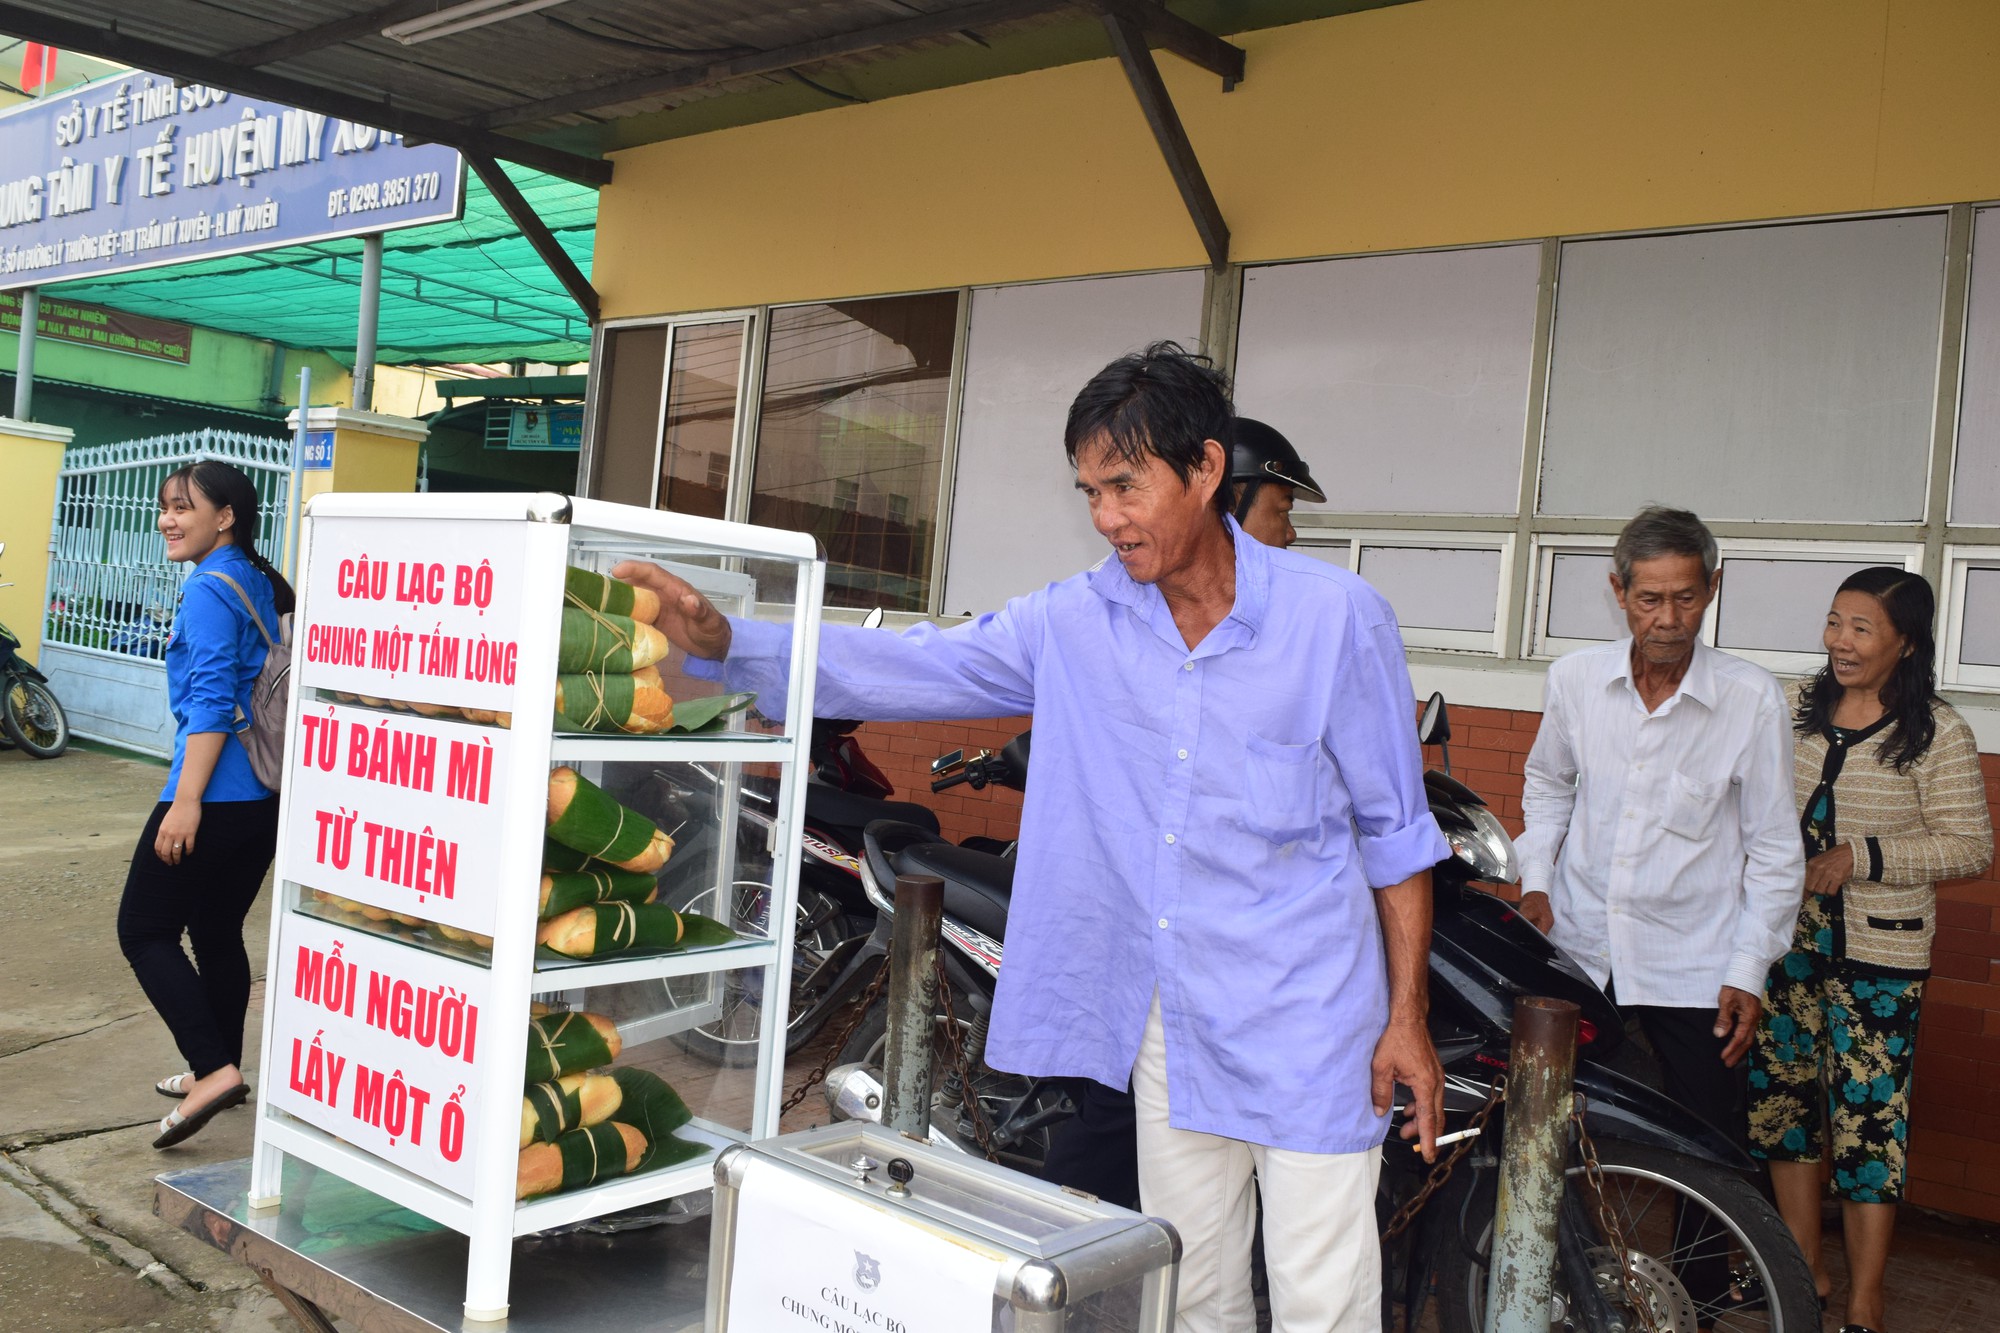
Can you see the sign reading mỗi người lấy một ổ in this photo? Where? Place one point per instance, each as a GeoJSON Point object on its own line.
{"type": "Point", "coordinates": [137, 170]}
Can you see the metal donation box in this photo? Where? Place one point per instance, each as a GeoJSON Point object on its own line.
{"type": "Point", "coordinates": [854, 1226]}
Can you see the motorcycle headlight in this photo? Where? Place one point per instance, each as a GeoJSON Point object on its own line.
{"type": "Point", "coordinates": [1485, 846]}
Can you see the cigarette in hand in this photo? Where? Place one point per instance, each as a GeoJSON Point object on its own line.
{"type": "Point", "coordinates": [1443, 1139]}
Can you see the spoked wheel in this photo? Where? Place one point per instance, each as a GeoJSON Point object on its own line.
{"type": "Point", "coordinates": [32, 718]}
{"type": "Point", "coordinates": [997, 1094]}
{"type": "Point", "coordinates": [730, 1038]}
{"type": "Point", "coordinates": [1706, 1250]}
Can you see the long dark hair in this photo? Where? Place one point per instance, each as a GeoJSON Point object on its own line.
{"type": "Point", "coordinates": [228, 488]}
{"type": "Point", "coordinates": [1911, 687]}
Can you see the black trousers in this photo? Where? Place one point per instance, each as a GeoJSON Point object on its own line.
{"type": "Point", "coordinates": [1096, 1150]}
{"type": "Point", "coordinates": [205, 898]}
{"type": "Point", "coordinates": [1692, 1073]}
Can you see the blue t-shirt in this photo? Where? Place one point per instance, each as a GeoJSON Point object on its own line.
{"type": "Point", "coordinates": [213, 657]}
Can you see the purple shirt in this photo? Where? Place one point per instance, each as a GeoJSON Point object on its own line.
{"type": "Point", "coordinates": [1207, 822]}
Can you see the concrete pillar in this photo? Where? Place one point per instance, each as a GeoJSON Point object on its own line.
{"type": "Point", "coordinates": [30, 456]}
{"type": "Point", "coordinates": [371, 451]}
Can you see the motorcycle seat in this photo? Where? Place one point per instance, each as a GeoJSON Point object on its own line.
{"type": "Point", "coordinates": [845, 809]}
{"type": "Point", "coordinates": [977, 885]}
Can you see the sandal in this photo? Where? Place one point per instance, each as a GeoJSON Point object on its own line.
{"type": "Point", "coordinates": [176, 1086]}
{"type": "Point", "coordinates": [178, 1128]}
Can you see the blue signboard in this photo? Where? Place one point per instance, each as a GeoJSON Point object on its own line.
{"type": "Point", "coordinates": [316, 453]}
{"type": "Point", "coordinates": [137, 170]}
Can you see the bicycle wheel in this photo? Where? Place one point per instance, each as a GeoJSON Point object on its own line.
{"type": "Point", "coordinates": [33, 719]}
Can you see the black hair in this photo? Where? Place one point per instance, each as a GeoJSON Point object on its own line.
{"type": "Point", "coordinates": [1165, 401]}
{"type": "Point", "coordinates": [229, 488]}
{"type": "Point", "coordinates": [1908, 693]}
{"type": "Point", "coordinates": [1657, 530]}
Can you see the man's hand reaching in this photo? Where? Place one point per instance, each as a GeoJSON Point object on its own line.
{"type": "Point", "coordinates": [1736, 1016]}
{"type": "Point", "coordinates": [1535, 907]}
{"type": "Point", "coordinates": [689, 620]}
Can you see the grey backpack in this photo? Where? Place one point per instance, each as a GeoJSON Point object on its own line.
{"type": "Point", "coordinates": [262, 728]}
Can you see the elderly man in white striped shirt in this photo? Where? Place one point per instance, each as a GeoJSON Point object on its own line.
{"type": "Point", "coordinates": [1662, 847]}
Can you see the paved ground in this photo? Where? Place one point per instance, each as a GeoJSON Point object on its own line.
{"type": "Point", "coordinates": [81, 1252]}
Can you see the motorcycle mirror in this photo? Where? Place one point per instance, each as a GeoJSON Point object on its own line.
{"type": "Point", "coordinates": [1435, 726]}
{"type": "Point", "coordinates": [873, 620]}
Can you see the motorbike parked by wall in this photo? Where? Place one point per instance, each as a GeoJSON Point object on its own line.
{"type": "Point", "coordinates": [1701, 1246]}
{"type": "Point", "coordinates": [30, 714]}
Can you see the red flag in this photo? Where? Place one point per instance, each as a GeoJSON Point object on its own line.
{"type": "Point", "coordinates": [38, 66]}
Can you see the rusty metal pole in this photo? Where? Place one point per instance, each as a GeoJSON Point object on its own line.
{"type": "Point", "coordinates": [1541, 1070]}
{"type": "Point", "coordinates": [913, 1004]}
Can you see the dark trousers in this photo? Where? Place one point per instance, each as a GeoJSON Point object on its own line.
{"type": "Point", "coordinates": [1097, 1149]}
{"type": "Point", "coordinates": [205, 897]}
{"type": "Point", "coordinates": [1692, 1073]}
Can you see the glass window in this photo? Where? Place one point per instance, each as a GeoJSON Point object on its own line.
{"type": "Point", "coordinates": [1980, 644]}
{"type": "Point", "coordinates": [628, 413]}
{"type": "Point", "coordinates": [699, 426]}
{"type": "Point", "coordinates": [1436, 588]}
{"type": "Point", "coordinates": [1401, 379]}
{"type": "Point", "coordinates": [853, 415]}
{"type": "Point", "coordinates": [1017, 522]}
{"type": "Point", "coordinates": [1778, 605]}
{"type": "Point", "coordinates": [1784, 373]}
{"type": "Point", "coordinates": [1580, 602]}
{"type": "Point", "coordinates": [1975, 496]}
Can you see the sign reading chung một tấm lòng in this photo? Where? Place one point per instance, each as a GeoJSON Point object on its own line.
{"type": "Point", "coordinates": [137, 170]}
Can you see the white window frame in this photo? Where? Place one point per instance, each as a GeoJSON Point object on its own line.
{"type": "Point", "coordinates": [1542, 646]}
{"type": "Point", "coordinates": [1953, 674]}
{"type": "Point", "coordinates": [1486, 643]}
{"type": "Point", "coordinates": [1909, 555]}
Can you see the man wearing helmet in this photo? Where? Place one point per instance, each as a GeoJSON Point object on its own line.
{"type": "Point", "coordinates": [1265, 475]}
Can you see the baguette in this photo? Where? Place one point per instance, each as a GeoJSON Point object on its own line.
{"type": "Point", "coordinates": [599, 641]}
{"type": "Point", "coordinates": [580, 1157]}
{"type": "Point", "coordinates": [575, 1101]}
{"type": "Point", "coordinates": [600, 592]}
{"type": "Point", "coordinates": [570, 1043]}
{"type": "Point", "coordinates": [603, 928]}
{"type": "Point", "coordinates": [635, 702]}
{"type": "Point", "coordinates": [581, 816]}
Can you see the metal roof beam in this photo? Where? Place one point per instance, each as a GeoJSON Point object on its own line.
{"type": "Point", "coordinates": [1128, 40]}
{"type": "Point", "coordinates": [538, 234]}
{"type": "Point", "coordinates": [160, 58]}
{"type": "Point", "coordinates": [307, 40]}
{"type": "Point", "coordinates": [1190, 41]}
{"type": "Point", "coordinates": [686, 78]}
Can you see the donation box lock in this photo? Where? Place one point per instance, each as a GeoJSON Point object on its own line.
{"type": "Point", "coordinates": [856, 1227]}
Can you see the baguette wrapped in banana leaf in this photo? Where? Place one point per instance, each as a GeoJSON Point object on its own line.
{"type": "Point", "coordinates": [569, 1043]}
{"type": "Point", "coordinates": [583, 817]}
{"type": "Point", "coordinates": [600, 592]}
{"type": "Point", "coordinates": [566, 890]}
{"type": "Point", "coordinates": [580, 1157]}
{"type": "Point", "coordinates": [600, 641]}
{"type": "Point", "coordinates": [634, 702]}
{"type": "Point", "coordinates": [575, 1101]}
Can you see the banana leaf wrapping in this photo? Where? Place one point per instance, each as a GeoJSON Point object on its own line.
{"type": "Point", "coordinates": [583, 817]}
{"type": "Point", "coordinates": [566, 890]}
{"type": "Point", "coordinates": [580, 1157]}
{"type": "Point", "coordinates": [550, 1110]}
{"type": "Point", "coordinates": [655, 1110]}
{"type": "Point", "coordinates": [598, 641]}
{"type": "Point", "coordinates": [569, 1043]}
{"type": "Point", "coordinates": [602, 928]}
{"type": "Point", "coordinates": [635, 702]}
{"type": "Point", "coordinates": [557, 857]}
{"type": "Point", "coordinates": [601, 592]}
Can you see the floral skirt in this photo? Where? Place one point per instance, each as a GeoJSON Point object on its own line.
{"type": "Point", "coordinates": [1841, 1039]}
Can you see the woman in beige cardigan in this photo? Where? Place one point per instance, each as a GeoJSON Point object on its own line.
{"type": "Point", "coordinates": [1890, 802]}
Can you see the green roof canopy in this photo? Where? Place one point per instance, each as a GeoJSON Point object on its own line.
{"type": "Point", "coordinates": [472, 290]}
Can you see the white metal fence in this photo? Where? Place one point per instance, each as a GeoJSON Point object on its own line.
{"type": "Point", "coordinates": [112, 590]}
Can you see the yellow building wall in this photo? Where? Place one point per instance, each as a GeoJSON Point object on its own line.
{"type": "Point", "coordinates": [30, 457]}
{"type": "Point", "coordinates": [1440, 122]}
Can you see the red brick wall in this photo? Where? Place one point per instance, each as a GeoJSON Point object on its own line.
{"type": "Point", "coordinates": [1955, 1111]}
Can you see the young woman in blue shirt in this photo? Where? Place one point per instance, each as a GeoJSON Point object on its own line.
{"type": "Point", "coordinates": [202, 857]}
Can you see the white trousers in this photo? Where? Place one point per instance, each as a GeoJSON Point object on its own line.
{"type": "Point", "coordinates": [1320, 1246]}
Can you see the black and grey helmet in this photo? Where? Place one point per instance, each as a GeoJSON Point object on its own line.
{"type": "Point", "coordinates": [1260, 453]}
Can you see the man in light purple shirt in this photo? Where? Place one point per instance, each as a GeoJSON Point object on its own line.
{"type": "Point", "coordinates": [1223, 891]}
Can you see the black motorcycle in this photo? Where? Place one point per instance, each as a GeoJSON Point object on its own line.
{"type": "Point", "coordinates": [1703, 1248]}
{"type": "Point", "coordinates": [30, 715]}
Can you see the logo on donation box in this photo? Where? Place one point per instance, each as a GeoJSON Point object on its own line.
{"type": "Point", "coordinates": [374, 1043]}
{"type": "Point", "coordinates": [419, 612]}
{"type": "Point", "coordinates": [808, 1270]}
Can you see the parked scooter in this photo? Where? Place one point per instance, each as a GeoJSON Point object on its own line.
{"type": "Point", "coordinates": [1678, 1189]}
{"type": "Point", "coordinates": [30, 715]}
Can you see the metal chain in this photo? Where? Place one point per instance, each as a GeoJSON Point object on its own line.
{"type": "Point", "coordinates": [1607, 1218]}
{"type": "Point", "coordinates": [839, 1043]}
{"type": "Point", "coordinates": [966, 1096]}
{"type": "Point", "coordinates": [1441, 1172]}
